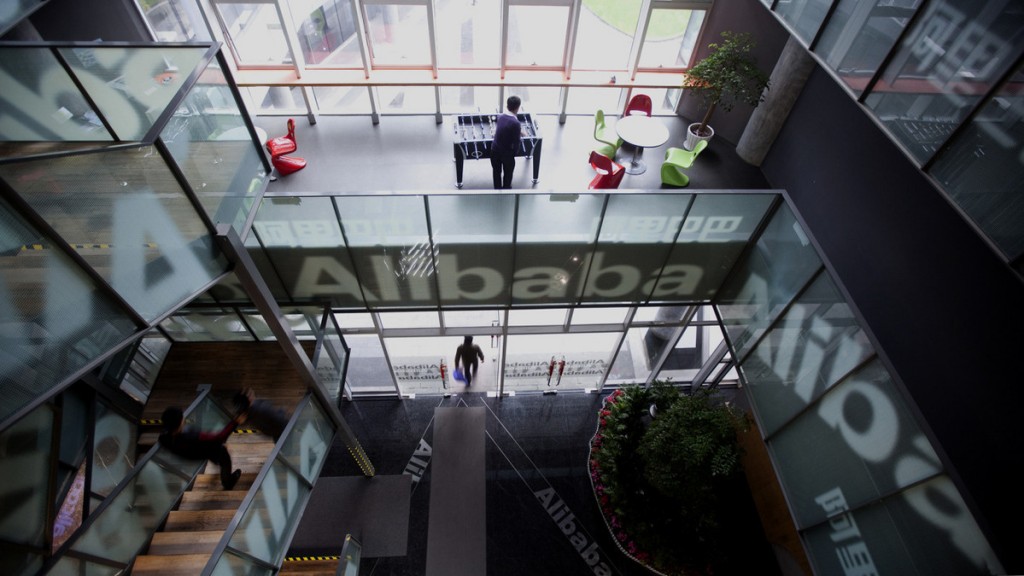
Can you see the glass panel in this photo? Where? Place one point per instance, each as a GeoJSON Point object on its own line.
{"type": "Point", "coordinates": [636, 235]}
{"type": "Point", "coordinates": [275, 99]}
{"type": "Point", "coordinates": [15, 10]}
{"type": "Point", "coordinates": [664, 100]}
{"type": "Point", "coordinates": [308, 443]}
{"type": "Point", "coordinates": [582, 316]}
{"type": "Point", "coordinates": [803, 16]}
{"type": "Point", "coordinates": [410, 320]}
{"type": "Point", "coordinates": [53, 320]}
{"type": "Point", "coordinates": [716, 231]}
{"type": "Point", "coordinates": [541, 317]}
{"type": "Point", "coordinates": [858, 36]}
{"type": "Point", "coordinates": [368, 370]}
{"type": "Point", "coordinates": [24, 476]}
{"type": "Point", "coordinates": [114, 450]}
{"type": "Point", "coordinates": [213, 148]}
{"type": "Point", "coordinates": [175, 20]}
{"type": "Point", "coordinates": [468, 34]}
{"type": "Point", "coordinates": [132, 86]}
{"type": "Point", "coordinates": [537, 99]}
{"type": "Point", "coordinates": [579, 360]}
{"type": "Point", "coordinates": [473, 242]}
{"type": "Point", "coordinates": [323, 270]}
{"type": "Point", "coordinates": [67, 566]}
{"type": "Point", "coordinates": [351, 320]}
{"type": "Point", "coordinates": [417, 364]}
{"type": "Point", "coordinates": [259, 326]}
{"type": "Point", "coordinates": [808, 350]}
{"type": "Point", "coordinates": [954, 53]}
{"type": "Point", "coordinates": [342, 99]}
{"type": "Point", "coordinates": [556, 238]}
{"type": "Point", "coordinates": [128, 523]}
{"type": "Point", "coordinates": [898, 535]}
{"type": "Point", "coordinates": [983, 168]}
{"type": "Point", "coordinates": [852, 441]}
{"type": "Point", "coordinates": [231, 565]}
{"type": "Point", "coordinates": [40, 102]}
{"type": "Point", "coordinates": [691, 351]}
{"type": "Point", "coordinates": [271, 515]}
{"type": "Point", "coordinates": [388, 239]}
{"type": "Point", "coordinates": [332, 363]}
{"type": "Point", "coordinates": [254, 33]}
{"type": "Point", "coordinates": [604, 35]}
{"type": "Point", "coordinates": [634, 361]}
{"type": "Point", "coordinates": [781, 262]}
{"type": "Point", "coordinates": [94, 201]}
{"type": "Point", "coordinates": [464, 99]}
{"type": "Point", "coordinates": [466, 318]}
{"type": "Point", "coordinates": [327, 32]}
{"type": "Point", "coordinates": [671, 38]}
{"type": "Point", "coordinates": [587, 100]}
{"type": "Point", "coordinates": [397, 35]}
{"type": "Point", "coordinates": [406, 99]}
{"type": "Point", "coordinates": [215, 325]}
{"type": "Point", "coordinates": [536, 35]}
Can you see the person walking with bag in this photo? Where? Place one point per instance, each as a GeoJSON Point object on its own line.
{"type": "Point", "coordinates": [469, 355]}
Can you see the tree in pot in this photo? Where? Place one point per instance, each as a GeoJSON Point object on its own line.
{"type": "Point", "coordinates": [725, 77]}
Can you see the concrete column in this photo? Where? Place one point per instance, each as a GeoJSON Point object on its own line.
{"type": "Point", "coordinates": [787, 81]}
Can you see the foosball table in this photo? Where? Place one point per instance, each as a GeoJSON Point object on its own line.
{"type": "Point", "coordinates": [475, 132]}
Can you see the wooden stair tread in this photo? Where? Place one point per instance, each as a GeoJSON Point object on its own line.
{"type": "Point", "coordinates": [179, 543]}
{"type": "Point", "coordinates": [211, 481]}
{"type": "Point", "coordinates": [211, 499]}
{"type": "Point", "coordinates": [176, 565]}
{"type": "Point", "coordinates": [180, 520]}
{"type": "Point", "coordinates": [309, 567]}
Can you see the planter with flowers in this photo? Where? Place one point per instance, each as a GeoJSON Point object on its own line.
{"type": "Point", "coordinates": [661, 463]}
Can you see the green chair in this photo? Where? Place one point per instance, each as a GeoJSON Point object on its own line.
{"type": "Point", "coordinates": [610, 142]}
{"type": "Point", "coordinates": [677, 159]}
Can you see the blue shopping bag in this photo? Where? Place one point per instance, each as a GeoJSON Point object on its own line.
{"type": "Point", "coordinates": [458, 375]}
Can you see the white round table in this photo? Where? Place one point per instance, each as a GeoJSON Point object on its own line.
{"type": "Point", "coordinates": [642, 132]}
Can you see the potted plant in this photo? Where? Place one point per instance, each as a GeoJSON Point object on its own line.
{"type": "Point", "coordinates": [726, 76]}
{"type": "Point", "coordinates": [660, 475]}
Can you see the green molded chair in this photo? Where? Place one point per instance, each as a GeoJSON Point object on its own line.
{"type": "Point", "coordinates": [677, 159]}
{"type": "Point", "coordinates": [610, 142]}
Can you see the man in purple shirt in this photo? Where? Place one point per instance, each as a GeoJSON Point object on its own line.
{"type": "Point", "coordinates": [506, 143]}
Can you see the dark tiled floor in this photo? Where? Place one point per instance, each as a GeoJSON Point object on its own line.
{"type": "Point", "coordinates": [348, 154]}
{"type": "Point", "coordinates": [535, 443]}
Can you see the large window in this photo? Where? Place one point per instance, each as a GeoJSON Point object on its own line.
{"type": "Point", "coordinates": [536, 35]}
{"type": "Point", "coordinates": [398, 34]}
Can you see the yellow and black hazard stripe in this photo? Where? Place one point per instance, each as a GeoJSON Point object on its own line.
{"type": "Point", "coordinates": [85, 246]}
{"type": "Point", "coordinates": [151, 421]}
{"type": "Point", "coordinates": [309, 558]}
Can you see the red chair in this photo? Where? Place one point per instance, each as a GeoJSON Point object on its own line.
{"type": "Point", "coordinates": [640, 103]}
{"type": "Point", "coordinates": [285, 165]}
{"type": "Point", "coordinates": [609, 172]}
{"type": "Point", "coordinates": [283, 144]}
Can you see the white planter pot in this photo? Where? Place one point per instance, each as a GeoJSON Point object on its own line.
{"type": "Point", "coordinates": [692, 138]}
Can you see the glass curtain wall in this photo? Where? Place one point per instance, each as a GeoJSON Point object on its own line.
{"type": "Point", "coordinates": [943, 79]}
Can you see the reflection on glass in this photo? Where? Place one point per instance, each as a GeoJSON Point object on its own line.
{"type": "Point", "coordinates": [25, 471]}
{"type": "Point", "coordinates": [983, 168]}
{"type": "Point", "coordinates": [113, 452]}
{"type": "Point", "coordinates": [132, 86]}
{"type": "Point", "coordinates": [671, 38]}
{"type": "Point", "coordinates": [368, 370]}
{"type": "Point", "coordinates": [409, 320]}
{"type": "Point", "coordinates": [473, 241]}
{"type": "Point", "coordinates": [467, 33]}
{"type": "Point", "coordinates": [858, 36]}
{"type": "Point", "coordinates": [804, 16]}
{"type": "Point", "coordinates": [214, 149]}
{"type": "Point", "coordinates": [51, 110]}
{"type": "Point", "coordinates": [604, 35]}
{"type": "Point", "coordinates": [327, 32]}
{"type": "Point", "coordinates": [397, 34]}
{"type": "Point", "coordinates": [557, 361]}
{"type": "Point", "coordinates": [808, 350]}
{"type": "Point", "coordinates": [306, 445]}
{"type": "Point", "coordinates": [417, 364]}
{"type": "Point", "coordinates": [176, 21]}
{"type": "Point", "coordinates": [765, 281]}
{"type": "Point", "coordinates": [536, 35]}
{"type": "Point", "coordinates": [268, 520]}
{"type": "Point", "coordinates": [254, 33]}
{"type": "Point", "coordinates": [55, 319]}
{"type": "Point", "coordinates": [954, 52]}
{"type": "Point", "coordinates": [216, 325]}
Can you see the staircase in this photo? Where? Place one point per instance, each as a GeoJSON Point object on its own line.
{"type": "Point", "coordinates": [188, 538]}
{"type": "Point", "coordinates": [309, 568]}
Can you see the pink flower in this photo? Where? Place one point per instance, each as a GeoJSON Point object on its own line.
{"type": "Point", "coordinates": [603, 422]}
{"type": "Point", "coordinates": [621, 536]}
{"type": "Point", "coordinates": [606, 412]}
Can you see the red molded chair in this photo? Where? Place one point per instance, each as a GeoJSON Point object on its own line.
{"type": "Point", "coordinates": [283, 144]}
{"type": "Point", "coordinates": [639, 104]}
{"type": "Point", "coordinates": [285, 165]}
{"type": "Point", "coordinates": [609, 172]}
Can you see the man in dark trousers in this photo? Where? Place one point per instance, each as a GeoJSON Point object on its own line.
{"type": "Point", "coordinates": [506, 143]}
{"type": "Point", "coordinates": [468, 353]}
{"type": "Point", "coordinates": [187, 442]}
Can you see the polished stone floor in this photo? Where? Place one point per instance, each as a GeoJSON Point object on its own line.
{"type": "Point", "coordinates": [536, 450]}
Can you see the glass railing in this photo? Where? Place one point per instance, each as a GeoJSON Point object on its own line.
{"type": "Point", "coordinates": [258, 537]}
{"type": "Point", "coordinates": [331, 357]}
{"type": "Point", "coordinates": [348, 560]}
{"type": "Point", "coordinates": [126, 520]}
